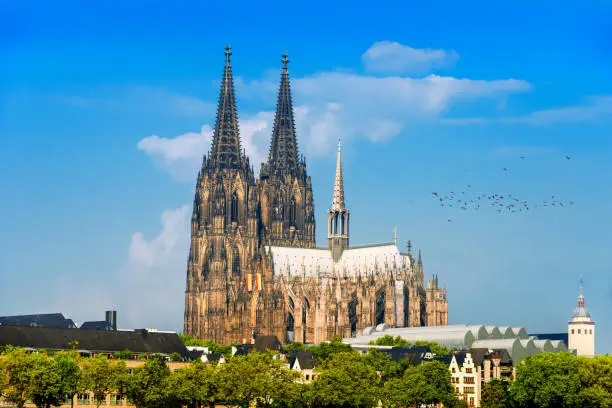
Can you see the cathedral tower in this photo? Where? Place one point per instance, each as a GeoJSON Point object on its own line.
{"type": "Point", "coordinates": [287, 205]}
{"type": "Point", "coordinates": [224, 226]}
{"type": "Point", "coordinates": [581, 330]}
{"type": "Point", "coordinates": [338, 215]}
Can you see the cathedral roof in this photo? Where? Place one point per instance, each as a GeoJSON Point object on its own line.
{"type": "Point", "coordinates": [358, 261]}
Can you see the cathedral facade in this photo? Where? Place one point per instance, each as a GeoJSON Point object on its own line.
{"type": "Point", "coordinates": [253, 266]}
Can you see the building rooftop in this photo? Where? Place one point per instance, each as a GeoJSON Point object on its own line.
{"type": "Point", "coordinates": [51, 338]}
{"type": "Point", "coordinates": [38, 320]}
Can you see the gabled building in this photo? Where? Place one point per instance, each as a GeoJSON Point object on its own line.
{"type": "Point", "coordinates": [304, 362]}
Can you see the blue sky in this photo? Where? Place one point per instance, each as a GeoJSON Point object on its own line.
{"type": "Point", "coordinates": [105, 113]}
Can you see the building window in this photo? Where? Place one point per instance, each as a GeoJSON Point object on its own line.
{"type": "Point", "coordinates": [454, 371]}
{"type": "Point", "coordinates": [590, 331]}
{"type": "Point", "coordinates": [468, 371]}
{"type": "Point", "coordinates": [468, 390]}
{"type": "Point", "coordinates": [83, 399]}
{"type": "Point", "coordinates": [579, 331]}
{"type": "Point", "coordinates": [115, 399]}
{"type": "Point", "coordinates": [468, 380]}
{"type": "Point", "coordinates": [572, 331]}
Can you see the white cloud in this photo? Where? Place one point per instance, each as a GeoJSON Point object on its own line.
{"type": "Point", "coordinates": [393, 57]}
{"type": "Point", "coordinates": [595, 108]}
{"type": "Point", "coordinates": [159, 250]}
{"type": "Point", "coordinates": [153, 280]}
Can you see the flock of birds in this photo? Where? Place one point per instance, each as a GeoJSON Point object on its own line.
{"type": "Point", "coordinates": [469, 199]}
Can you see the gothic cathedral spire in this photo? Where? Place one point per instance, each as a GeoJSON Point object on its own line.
{"type": "Point", "coordinates": [225, 149]}
{"type": "Point", "coordinates": [338, 215]}
{"type": "Point", "coordinates": [283, 146]}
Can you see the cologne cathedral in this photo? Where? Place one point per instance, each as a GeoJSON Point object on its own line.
{"type": "Point", "coordinates": [254, 267]}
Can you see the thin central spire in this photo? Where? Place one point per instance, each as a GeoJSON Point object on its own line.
{"type": "Point", "coordinates": [283, 147]}
{"type": "Point", "coordinates": [338, 198]}
{"type": "Point", "coordinates": [225, 149]}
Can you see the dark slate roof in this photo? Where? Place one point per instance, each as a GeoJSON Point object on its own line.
{"type": "Point", "coordinates": [460, 357]}
{"type": "Point", "coordinates": [263, 343]}
{"type": "Point", "coordinates": [244, 349]}
{"type": "Point", "coordinates": [503, 355]}
{"type": "Point", "coordinates": [553, 336]}
{"type": "Point", "coordinates": [444, 359]}
{"type": "Point", "coordinates": [415, 354]}
{"type": "Point", "coordinates": [38, 320]}
{"type": "Point", "coordinates": [304, 358]}
{"type": "Point", "coordinates": [99, 325]}
{"type": "Point", "coordinates": [479, 355]}
{"type": "Point", "coordinates": [138, 341]}
{"type": "Point", "coordinates": [195, 354]}
{"type": "Point", "coordinates": [212, 357]}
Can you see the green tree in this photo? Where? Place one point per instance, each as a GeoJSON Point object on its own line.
{"type": "Point", "coordinates": [17, 367]}
{"type": "Point", "coordinates": [196, 384]}
{"type": "Point", "coordinates": [495, 394]}
{"type": "Point", "coordinates": [175, 357]}
{"type": "Point", "coordinates": [213, 347]}
{"type": "Point", "coordinates": [99, 377]}
{"type": "Point", "coordinates": [294, 347]}
{"type": "Point", "coordinates": [124, 355]}
{"type": "Point", "coordinates": [560, 380]}
{"type": "Point", "coordinates": [383, 364]}
{"type": "Point", "coordinates": [70, 378]}
{"type": "Point", "coordinates": [148, 385]}
{"type": "Point", "coordinates": [345, 380]}
{"type": "Point", "coordinates": [45, 381]}
{"type": "Point", "coordinates": [269, 381]}
{"type": "Point", "coordinates": [427, 383]}
{"type": "Point", "coordinates": [324, 350]}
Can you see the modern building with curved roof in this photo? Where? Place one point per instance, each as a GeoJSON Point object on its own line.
{"type": "Point", "coordinates": [514, 340]}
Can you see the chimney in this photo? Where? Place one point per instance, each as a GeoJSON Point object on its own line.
{"type": "Point", "coordinates": [111, 319]}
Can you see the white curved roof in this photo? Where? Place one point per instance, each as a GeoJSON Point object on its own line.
{"type": "Point", "coordinates": [558, 345]}
{"type": "Point", "coordinates": [519, 332]}
{"type": "Point", "coordinates": [544, 345]}
{"type": "Point", "coordinates": [357, 261]}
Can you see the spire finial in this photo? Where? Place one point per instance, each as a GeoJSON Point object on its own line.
{"type": "Point", "coordinates": [285, 60]}
{"type": "Point", "coordinates": [581, 296]}
{"type": "Point", "coordinates": [338, 198]}
{"type": "Point", "coordinates": [228, 52]}
{"type": "Point", "coordinates": [394, 235]}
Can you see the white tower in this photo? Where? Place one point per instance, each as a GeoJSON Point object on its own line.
{"type": "Point", "coordinates": [581, 329]}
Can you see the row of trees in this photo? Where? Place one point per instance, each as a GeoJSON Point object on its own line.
{"type": "Point", "coordinates": [345, 379]}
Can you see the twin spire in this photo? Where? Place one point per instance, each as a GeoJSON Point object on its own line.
{"type": "Point", "coordinates": [226, 151]}
{"type": "Point", "coordinates": [283, 147]}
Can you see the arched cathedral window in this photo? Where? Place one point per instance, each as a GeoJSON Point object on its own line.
{"type": "Point", "coordinates": [292, 211]}
{"type": "Point", "coordinates": [234, 209]}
